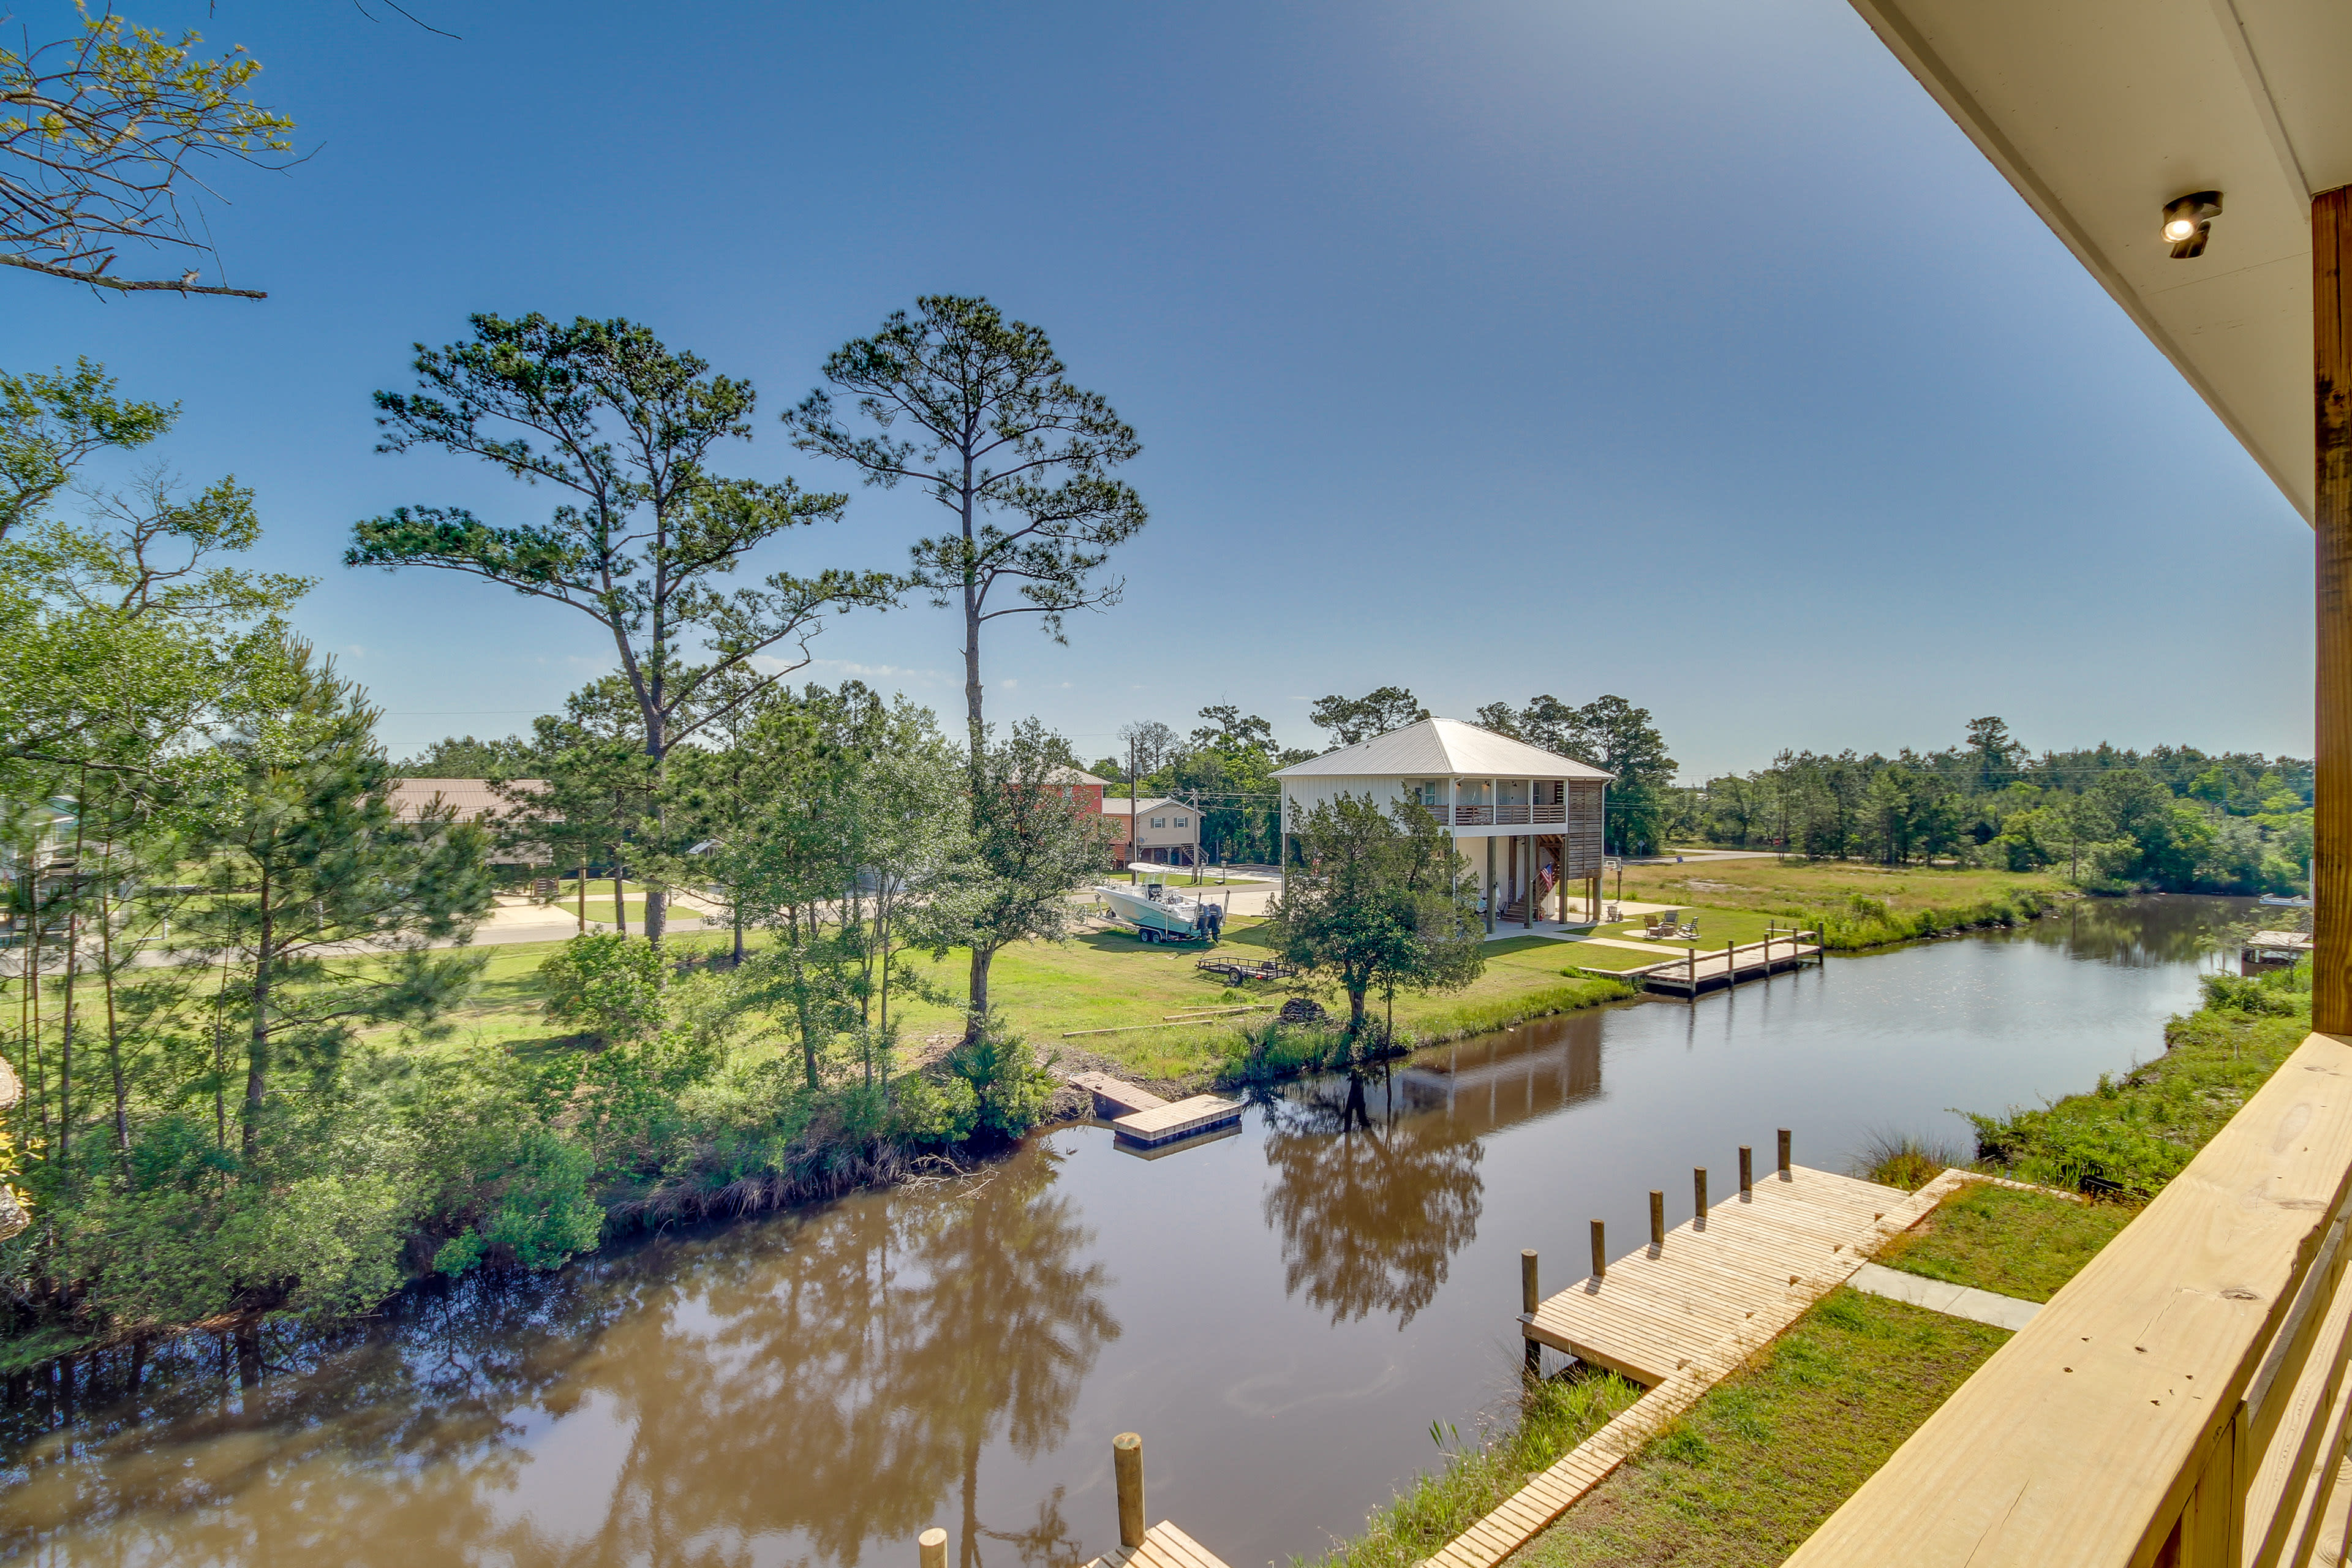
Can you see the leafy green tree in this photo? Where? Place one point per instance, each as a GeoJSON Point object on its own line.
{"type": "Point", "coordinates": [613, 988]}
{"type": "Point", "coordinates": [52, 422]}
{"type": "Point", "coordinates": [1354, 719]}
{"type": "Point", "coordinates": [999, 435]}
{"type": "Point", "coordinates": [1030, 848]}
{"type": "Point", "coordinates": [104, 135]}
{"type": "Point", "coordinates": [1378, 902]}
{"type": "Point", "coordinates": [322, 904]}
{"type": "Point", "coordinates": [648, 532]}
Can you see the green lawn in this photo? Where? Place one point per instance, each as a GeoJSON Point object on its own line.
{"type": "Point", "coordinates": [2014, 1244]}
{"type": "Point", "coordinates": [1772, 1451]}
{"type": "Point", "coordinates": [1108, 979]}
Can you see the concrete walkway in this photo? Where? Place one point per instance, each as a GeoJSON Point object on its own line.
{"type": "Point", "coordinates": [1938, 1296]}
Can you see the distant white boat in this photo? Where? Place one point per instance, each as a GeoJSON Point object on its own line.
{"type": "Point", "coordinates": [2284, 901]}
{"type": "Point", "coordinates": [1160, 913]}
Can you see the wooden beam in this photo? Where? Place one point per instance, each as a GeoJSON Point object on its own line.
{"type": "Point", "coordinates": [2331, 321]}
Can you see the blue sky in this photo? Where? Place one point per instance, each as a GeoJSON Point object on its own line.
{"type": "Point", "coordinates": [1681, 351]}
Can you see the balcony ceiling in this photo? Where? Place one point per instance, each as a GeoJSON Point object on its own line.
{"type": "Point", "coordinates": [2100, 111]}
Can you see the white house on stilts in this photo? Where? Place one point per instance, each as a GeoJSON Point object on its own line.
{"type": "Point", "coordinates": [1526, 821]}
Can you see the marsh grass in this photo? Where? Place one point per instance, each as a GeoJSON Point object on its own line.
{"type": "Point", "coordinates": [1554, 1417]}
{"type": "Point", "coordinates": [1903, 1160]}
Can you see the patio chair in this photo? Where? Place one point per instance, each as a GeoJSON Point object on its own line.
{"type": "Point", "coordinates": [1690, 928]}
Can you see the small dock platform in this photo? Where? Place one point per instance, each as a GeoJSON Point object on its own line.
{"type": "Point", "coordinates": [1697, 970]}
{"type": "Point", "coordinates": [1166, 1123]}
{"type": "Point", "coordinates": [1768, 1252]}
{"type": "Point", "coordinates": [1144, 1121]}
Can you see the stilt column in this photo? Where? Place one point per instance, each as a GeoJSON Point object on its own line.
{"type": "Point", "coordinates": [2331, 301]}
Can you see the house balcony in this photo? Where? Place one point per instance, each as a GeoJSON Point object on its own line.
{"type": "Point", "coordinates": [1510, 813]}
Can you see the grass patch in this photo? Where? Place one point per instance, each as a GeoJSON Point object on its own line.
{"type": "Point", "coordinates": [1554, 1417]}
{"type": "Point", "coordinates": [2017, 1244]}
{"type": "Point", "coordinates": [1770, 1452]}
{"type": "Point", "coordinates": [1852, 904]}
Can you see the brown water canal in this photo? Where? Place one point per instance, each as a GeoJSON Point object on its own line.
{"type": "Point", "coordinates": [1281, 1313]}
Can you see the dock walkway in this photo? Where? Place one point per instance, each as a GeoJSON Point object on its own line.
{"type": "Point", "coordinates": [1683, 1316]}
{"type": "Point", "coordinates": [1696, 970]}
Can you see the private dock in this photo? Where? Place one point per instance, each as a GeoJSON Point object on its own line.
{"type": "Point", "coordinates": [1687, 1310]}
{"type": "Point", "coordinates": [1697, 970]}
{"type": "Point", "coordinates": [1771, 1249]}
{"type": "Point", "coordinates": [1143, 1120]}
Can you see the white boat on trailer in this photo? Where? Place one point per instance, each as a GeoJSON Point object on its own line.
{"type": "Point", "coordinates": [1160, 913]}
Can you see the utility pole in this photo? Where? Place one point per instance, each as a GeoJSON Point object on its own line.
{"type": "Point", "coordinates": [1132, 875]}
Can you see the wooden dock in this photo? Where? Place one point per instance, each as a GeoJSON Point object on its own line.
{"type": "Point", "coordinates": [1697, 970]}
{"type": "Point", "coordinates": [1159, 1124]}
{"type": "Point", "coordinates": [1142, 1119]}
{"type": "Point", "coordinates": [1164, 1546]}
{"type": "Point", "coordinates": [1657, 1323]}
{"type": "Point", "coordinates": [1790, 1240]}
{"type": "Point", "coordinates": [1115, 1097]}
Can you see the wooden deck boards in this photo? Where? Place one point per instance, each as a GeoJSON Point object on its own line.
{"type": "Point", "coordinates": [1684, 975]}
{"type": "Point", "coordinates": [1115, 1097]}
{"type": "Point", "coordinates": [1790, 1240]}
{"type": "Point", "coordinates": [1165, 1123]}
{"type": "Point", "coordinates": [1164, 1546]}
{"type": "Point", "coordinates": [1809, 1209]}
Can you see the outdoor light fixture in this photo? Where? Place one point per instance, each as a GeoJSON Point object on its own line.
{"type": "Point", "coordinates": [2189, 222]}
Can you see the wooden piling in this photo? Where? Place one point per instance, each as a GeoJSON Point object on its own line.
{"type": "Point", "coordinates": [1599, 1251]}
{"type": "Point", "coordinates": [1698, 1191]}
{"type": "Point", "coordinates": [1530, 1298]}
{"type": "Point", "coordinates": [1127, 1469]}
{"type": "Point", "coordinates": [1657, 1218]}
{"type": "Point", "coordinates": [1784, 1153]}
{"type": "Point", "coordinates": [931, 1548]}
{"type": "Point", "coordinates": [1747, 1171]}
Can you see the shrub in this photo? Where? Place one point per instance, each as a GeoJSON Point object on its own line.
{"type": "Point", "coordinates": [1008, 1087]}
{"type": "Point", "coordinates": [610, 986]}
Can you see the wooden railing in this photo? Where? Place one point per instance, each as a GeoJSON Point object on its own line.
{"type": "Point", "coordinates": [2182, 1401]}
{"type": "Point", "coordinates": [1550, 813]}
{"type": "Point", "coordinates": [1509, 812]}
{"type": "Point", "coordinates": [1472, 816]}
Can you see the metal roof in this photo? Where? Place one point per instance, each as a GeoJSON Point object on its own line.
{"type": "Point", "coordinates": [1443, 747]}
{"type": "Point", "coordinates": [468, 798]}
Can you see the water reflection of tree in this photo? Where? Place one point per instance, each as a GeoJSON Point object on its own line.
{"type": "Point", "coordinates": [2147, 931]}
{"type": "Point", "coordinates": [842, 1389]}
{"type": "Point", "coordinates": [1370, 1212]}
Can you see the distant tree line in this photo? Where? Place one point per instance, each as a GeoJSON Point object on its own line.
{"type": "Point", "coordinates": [2172, 818]}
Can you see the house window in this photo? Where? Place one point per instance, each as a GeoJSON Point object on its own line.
{"type": "Point", "coordinates": [1159, 822]}
{"type": "Point", "coordinates": [1182, 821]}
